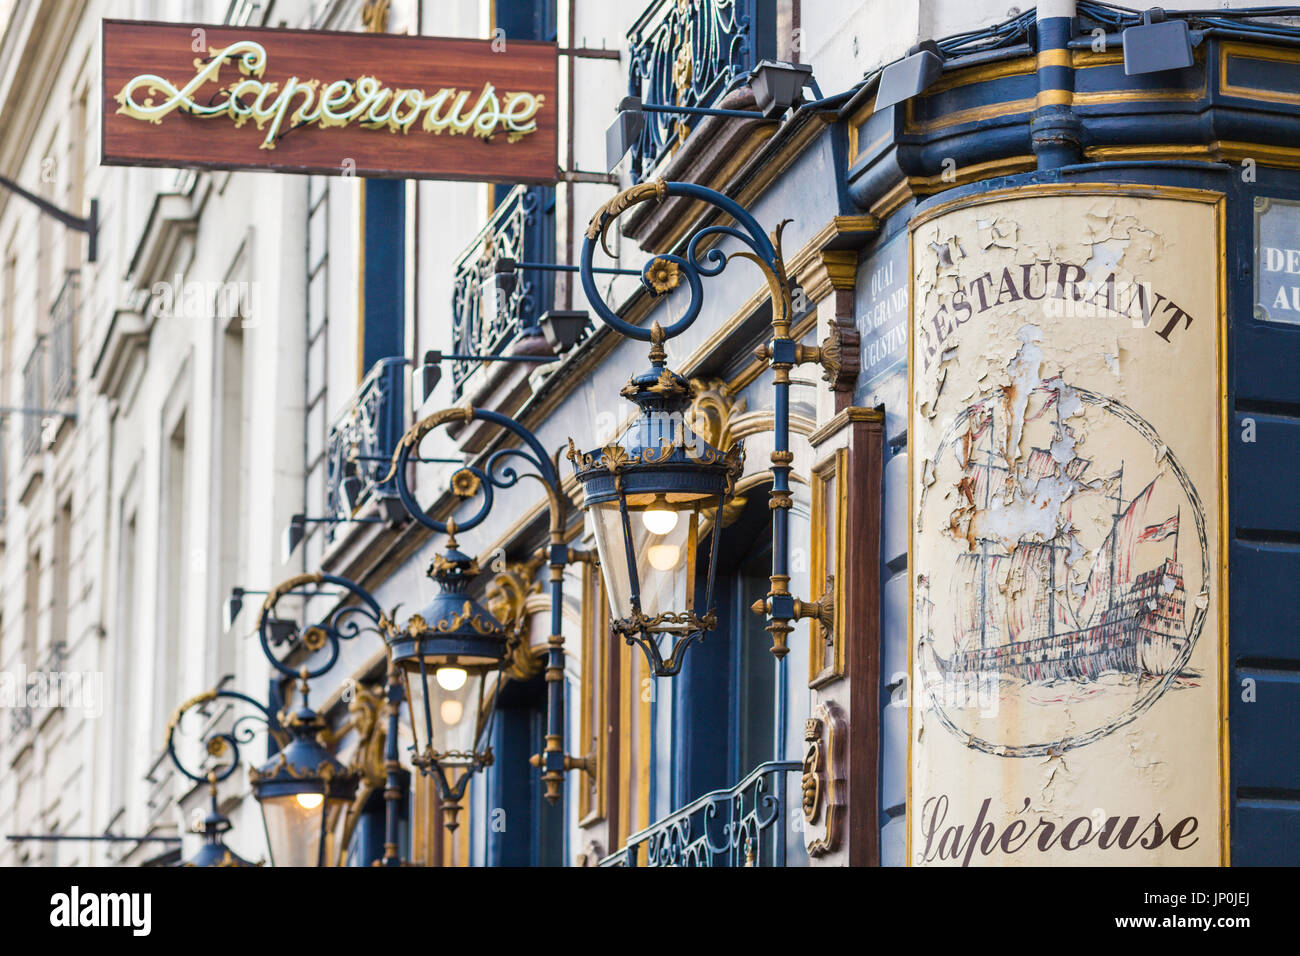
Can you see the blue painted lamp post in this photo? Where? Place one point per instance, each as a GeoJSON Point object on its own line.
{"type": "Point", "coordinates": [655, 496]}
{"type": "Point", "coordinates": [303, 791]}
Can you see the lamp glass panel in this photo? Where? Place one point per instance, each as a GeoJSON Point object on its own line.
{"type": "Point", "coordinates": [450, 723]}
{"type": "Point", "coordinates": [294, 826]}
{"type": "Point", "coordinates": [665, 562]}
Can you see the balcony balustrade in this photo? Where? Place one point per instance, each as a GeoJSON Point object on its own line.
{"type": "Point", "coordinates": [62, 339]}
{"type": "Point", "coordinates": [740, 826]}
{"type": "Point", "coordinates": [33, 398]}
{"type": "Point", "coordinates": [487, 317]}
{"type": "Point", "coordinates": [691, 53]}
{"type": "Point", "coordinates": [359, 448]}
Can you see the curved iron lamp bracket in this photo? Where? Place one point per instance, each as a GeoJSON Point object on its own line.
{"type": "Point", "coordinates": [471, 480]}
{"type": "Point", "coordinates": [222, 743]}
{"type": "Point", "coordinates": [343, 623]}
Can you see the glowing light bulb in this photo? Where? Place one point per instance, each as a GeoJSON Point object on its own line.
{"type": "Point", "coordinates": [451, 712]}
{"type": "Point", "coordinates": [659, 518]}
{"type": "Point", "coordinates": [451, 678]}
{"type": "Point", "coordinates": [663, 557]}
{"type": "Point", "coordinates": [310, 801]}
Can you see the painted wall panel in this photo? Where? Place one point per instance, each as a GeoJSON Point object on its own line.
{"type": "Point", "coordinates": [1066, 545]}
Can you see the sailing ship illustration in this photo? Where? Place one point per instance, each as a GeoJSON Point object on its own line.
{"type": "Point", "coordinates": [1017, 613]}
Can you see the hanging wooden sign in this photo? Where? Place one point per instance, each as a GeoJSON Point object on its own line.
{"type": "Point", "coordinates": [306, 101]}
{"type": "Point", "coordinates": [1067, 553]}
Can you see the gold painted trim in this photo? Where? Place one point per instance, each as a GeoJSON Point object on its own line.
{"type": "Point", "coordinates": [1083, 59]}
{"type": "Point", "coordinates": [1285, 157]}
{"type": "Point", "coordinates": [1225, 765]}
{"type": "Point", "coordinates": [929, 185]}
{"type": "Point", "coordinates": [644, 714]}
{"type": "Point", "coordinates": [1055, 97]}
{"type": "Point", "coordinates": [1056, 57]}
{"type": "Point", "coordinates": [1086, 59]}
{"type": "Point", "coordinates": [854, 413]}
{"type": "Point", "coordinates": [897, 197]}
{"type": "Point", "coordinates": [972, 115]}
{"type": "Point", "coordinates": [1181, 193]}
{"type": "Point", "coordinates": [854, 123]}
{"type": "Point", "coordinates": [834, 468]}
{"type": "Point", "coordinates": [626, 669]}
{"type": "Point", "coordinates": [1140, 96]}
{"type": "Point", "coordinates": [1249, 51]}
{"type": "Point", "coordinates": [1020, 66]}
{"type": "Point", "coordinates": [595, 694]}
{"type": "Point", "coordinates": [764, 420]}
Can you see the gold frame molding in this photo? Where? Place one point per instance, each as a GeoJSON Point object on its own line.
{"type": "Point", "coordinates": [826, 659]}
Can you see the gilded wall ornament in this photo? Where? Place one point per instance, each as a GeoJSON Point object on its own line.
{"type": "Point", "coordinates": [823, 785]}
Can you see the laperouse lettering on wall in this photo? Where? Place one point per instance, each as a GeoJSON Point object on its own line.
{"type": "Point", "coordinates": [946, 841]}
{"type": "Point", "coordinates": [1054, 282]}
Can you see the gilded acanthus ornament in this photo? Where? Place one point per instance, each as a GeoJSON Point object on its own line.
{"type": "Point", "coordinates": [615, 207]}
{"type": "Point", "coordinates": [506, 597]}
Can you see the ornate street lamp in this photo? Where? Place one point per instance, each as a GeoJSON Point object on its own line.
{"type": "Point", "coordinates": [450, 657]}
{"type": "Point", "coordinates": [451, 604]}
{"type": "Point", "coordinates": [222, 747]}
{"type": "Point", "coordinates": [647, 494]}
{"type": "Point", "coordinates": [653, 495]}
{"type": "Point", "coordinates": [303, 791]}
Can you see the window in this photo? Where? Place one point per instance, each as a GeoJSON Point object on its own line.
{"type": "Point", "coordinates": [32, 611]}
{"type": "Point", "coordinates": [726, 695]}
{"type": "Point", "coordinates": [526, 19]}
{"type": "Point", "coordinates": [176, 573]}
{"type": "Point", "coordinates": [523, 828]}
{"type": "Point", "coordinates": [62, 580]}
{"type": "Point", "coordinates": [233, 462]}
{"type": "Point", "coordinates": [124, 659]}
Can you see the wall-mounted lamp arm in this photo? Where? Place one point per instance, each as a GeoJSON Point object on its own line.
{"type": "Point", "coordinates": [88, 224]}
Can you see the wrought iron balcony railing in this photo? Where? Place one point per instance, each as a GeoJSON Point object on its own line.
{"type": "Point", "coordinates": [741, 826]}
{"type": "Point", "coordinates": [361, 441]}
{"type": "Point", "coordinates": [33, 398]}
{"type": "Point", "coordinates": [484, 319]}
{"type": "Point", "coordinates": [62, 338]}
{"type": "Point", "coordinates": [691, 53]}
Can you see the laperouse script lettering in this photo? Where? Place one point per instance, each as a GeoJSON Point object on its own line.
{"type": "Point", "coordinates": [279, 108]}
{"type": "Point", "coordinates": [951, 842]}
